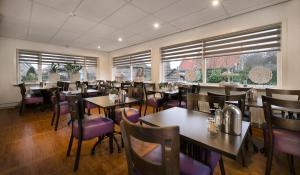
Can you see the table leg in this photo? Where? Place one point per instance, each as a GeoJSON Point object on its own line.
{"type": "Point", "coordinates": [111, 112]}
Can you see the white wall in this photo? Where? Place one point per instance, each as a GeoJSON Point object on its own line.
{"type": "Point", "coordinates": [287, 13]}
{"type": "Point", "coordinates": [9, 94]}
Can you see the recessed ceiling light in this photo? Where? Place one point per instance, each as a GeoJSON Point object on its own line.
{"type": "Point", "coordinates": [120, 39]}
{"type": "Point", "coordinates": [72, 14]}
{"type": "Point", "coordinates": [215, 2]}
{"type": "Point", "coordinates": [99, 47]}
{"type": "Point", "coordinates": [156, 25]}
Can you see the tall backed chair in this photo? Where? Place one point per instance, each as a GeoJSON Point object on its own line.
{"type": "Point", "coordinates": [60, 107]}
{"type": "Point", "coordinates": [282, 134]}
{"type": "Point", "coordinates": [165, 158]}
{"type": "Point", "coordinates": [77, 84]}
{"type": "Point", "coordinates": [274, 92]}
{"type": "Point", "coordinates": [195, 89]}
{"type": "Point", "coordinates": [180, 100]}
{"type": "Point", "coordinates": [89, 105]}
{"type": "Point", "coordinates": [126, 85]}
{"type": "Point", "coordinates": [151, 100]}
{"type": "Point", "coordinates": [28, 98]}
{"type": "Point", "coordinates": [192, 104]}
{"type": "Point", "coordinates": [87, 128]}
{"type": "Point", "coordinates": [230, 90]}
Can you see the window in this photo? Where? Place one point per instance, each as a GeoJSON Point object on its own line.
{"type": "Point", "coordinates": [41, 66]}
{"type": "Point", "coordinates": [135, 67]}
{"type": "Point", "coordinates": [246, 57]}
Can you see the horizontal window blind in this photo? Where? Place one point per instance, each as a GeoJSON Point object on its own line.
{"type": "Point", "coordinates": [261, 39]}
{"type": "Point", "coordinates": [183, 51]}
{"type": "Point", "coordinates": [48, 58]}
{"type": "Point", "coordinates": [250, 41]}
{"type": "Point", "coordinates": [143, 57]}
{"type": "Point", "coordinates": [28, 57]}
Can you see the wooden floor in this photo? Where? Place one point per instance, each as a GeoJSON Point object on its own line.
{"type": "Point", "coordinates": [29, 145]}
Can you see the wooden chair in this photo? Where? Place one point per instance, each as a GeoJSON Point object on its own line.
{"type": "Point", "coordinates": [195, 89]}
{"type": "Point", "coordinates": [60, 107]}
{"type": "Point", "coordinates": [126, 85]}
{"type": "Point", "coordinates": [77, 84]}
{"type": "Point", "coordinates": [138, 84]}
{"type": "Point", "coordinates": [282, 134]}
{"type": "Point", "coordinates": [28, 98]}
{"type": "Point", "coordinates": [272, 92]}
{"type": "Point", "coordinates": [165, 158]}
{"type": "Point", "coordinates": [180, 99]}
{"type": "Point", "coordinates": [151, 100]}
{"type": "Point", "coordinates": [87, 128]}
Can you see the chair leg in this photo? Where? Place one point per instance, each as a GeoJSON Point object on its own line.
{"type": "Point", "coordinates": [70, 145]}
{"type": "Point", "coordinates": [94, 147]}
{"type": "Point", "coordinates": [53, 118]}
{"type": "Point", "coordinates": [118, 146]}
{"type": "Point", "coordinates": [21, 108]}
{"type": "Point", "coordinates": [57, 121]}
{"type": "Point", "coordinates": [111, 143]}
{"type": "Point", "coordinates": [269, 160]}
{"type": "Point", "coordinates": [77, 155]}
{"type": "Point", "coordinates": [122, 141]}
{"type": "Point", "coordinates": [221, 164]}
{"type": "Point", "coordinates": [291, 164]}
{"type": "Point", "coordinates": [89, 111]}
{"type": "Point", "coordinates": [145, 109]}
{"type": "Point", "coordinates": [99, 110]}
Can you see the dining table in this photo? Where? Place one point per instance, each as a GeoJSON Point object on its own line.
{"type": "Point", "coordinates": [110, 105]}
{"type": "Point", "coordinates": [77, 92]}
{"type": "Point", "coordinates": [193, 127]}
{"type": "Point", "coordinates": [45, 91]}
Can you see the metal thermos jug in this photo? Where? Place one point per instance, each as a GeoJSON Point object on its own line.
{"type": "Point", "coordinates": [232, 120]}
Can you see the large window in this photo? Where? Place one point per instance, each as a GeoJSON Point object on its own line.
{"type": "Point", "coordinates": [135, 67]}
{"type": "Point", "coordinates": [246, 57]}
{"type": "Point", "coordinates": [37, 66]}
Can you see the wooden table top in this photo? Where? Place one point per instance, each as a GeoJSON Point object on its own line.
{"type": "Point", "coordinates": [37, 88]}
{"type": "Point", "coordinates": [75, 92]}
{"type": "Point", "coordinates": [193, 126]}
{"type": "Point", "coordinates": [104, 102]}
{"type": "Point", "coordinates": [168, 92]}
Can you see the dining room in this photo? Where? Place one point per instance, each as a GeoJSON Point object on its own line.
{"type": "Point", "coordinates": [140, 87]}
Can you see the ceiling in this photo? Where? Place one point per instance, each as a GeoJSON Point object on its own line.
{"type": "Point", "coordinates": [89, 23]}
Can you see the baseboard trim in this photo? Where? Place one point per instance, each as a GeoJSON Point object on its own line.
{"type": "Point", "coordinates": [9, 105]}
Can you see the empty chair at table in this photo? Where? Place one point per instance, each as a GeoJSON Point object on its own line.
{"type": "Point", "coordinates": [60, 107]}
{"type": "Point", "coordinates": [89, 105]}
{"type": "Point", "coordinates": [87, 128]}
{"type": "Point", "coordinates": [282, 134]}
{"type": "Point", "coordinates": [230, 90]}
{"type": "Point", "coordinates": [180, 99]}
{"type": "Point", "coordinates": [164, 158]}
{"type": "Point", "coordinates": [28, 98]}
{"type": "Point", "coordinates": [152, 100]}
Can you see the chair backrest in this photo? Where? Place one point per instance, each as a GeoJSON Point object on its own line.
{"type": "Point", "coordinates": [239, 98]}
{"type": "Point", "coordinates": [125, 85]}
{"type": "Point", "coordinates": [182, 92]}
{"type": "Point", "coordinates": [86, 83]}
{"type": "Point", "coordinates": [136, 92]}
{"type": "Point", "coordinates": [195, 89]}
{"type": "Point", "coordinates": [22, 89]}
{"type": "Point", "coordinates": [229, 89]}
{"type": "Point", "coordinates": [166, 137]}
{"type": "Point", "coordinates": [138, 84]}
{"type": "Point", "coordinates": [272, 92]}
{"type": "Point", "coordinates": [216, 99]}
{"type": "Point", "coordinates": [284, 123]}
{"type": "Point", "coordinates": [66, 86]}
{"type": "Point", "coordinates": [193, 99]}
{"type": "Point", "coordinates": [78, 84]}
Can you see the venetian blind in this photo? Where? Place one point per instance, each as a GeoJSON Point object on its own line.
{"type": "Point", "coordinates": [143, 57]}
{"type": "Point", "coordinates": [255, 40]}
{"type": "Point", "coordinates": [183, 51]}
{"type": "Point", "coordinates": [49, 58]}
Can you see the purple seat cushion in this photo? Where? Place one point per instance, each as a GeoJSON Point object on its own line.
{"type": "Point", "coordinates": [155, 102]}
{"type": "Point", "coordinates": [64, 108]}
{"type": "Point", "coordinates": [33, 100]}
{"type": "Point", "coordinates": [90, 105]}
{"type": "Point", "coordinates": [175, 103]}
{"type": "Point", "coordinates": [188, 166]}
{"type": "Point", "coordinates": [133, 114]}
{"type": "Point", "coordinates": [287, 141]}
{"type": "Point", "coordinates": [94, 127]}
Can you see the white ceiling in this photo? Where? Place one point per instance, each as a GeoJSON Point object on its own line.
{"type": "Point", "coordinates": [89, 23]}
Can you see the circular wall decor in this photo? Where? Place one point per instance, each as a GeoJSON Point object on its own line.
{"type": "Point", "coordinates": [260, 75]}
{"type": "Point", "coordinates": [190, 75]}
